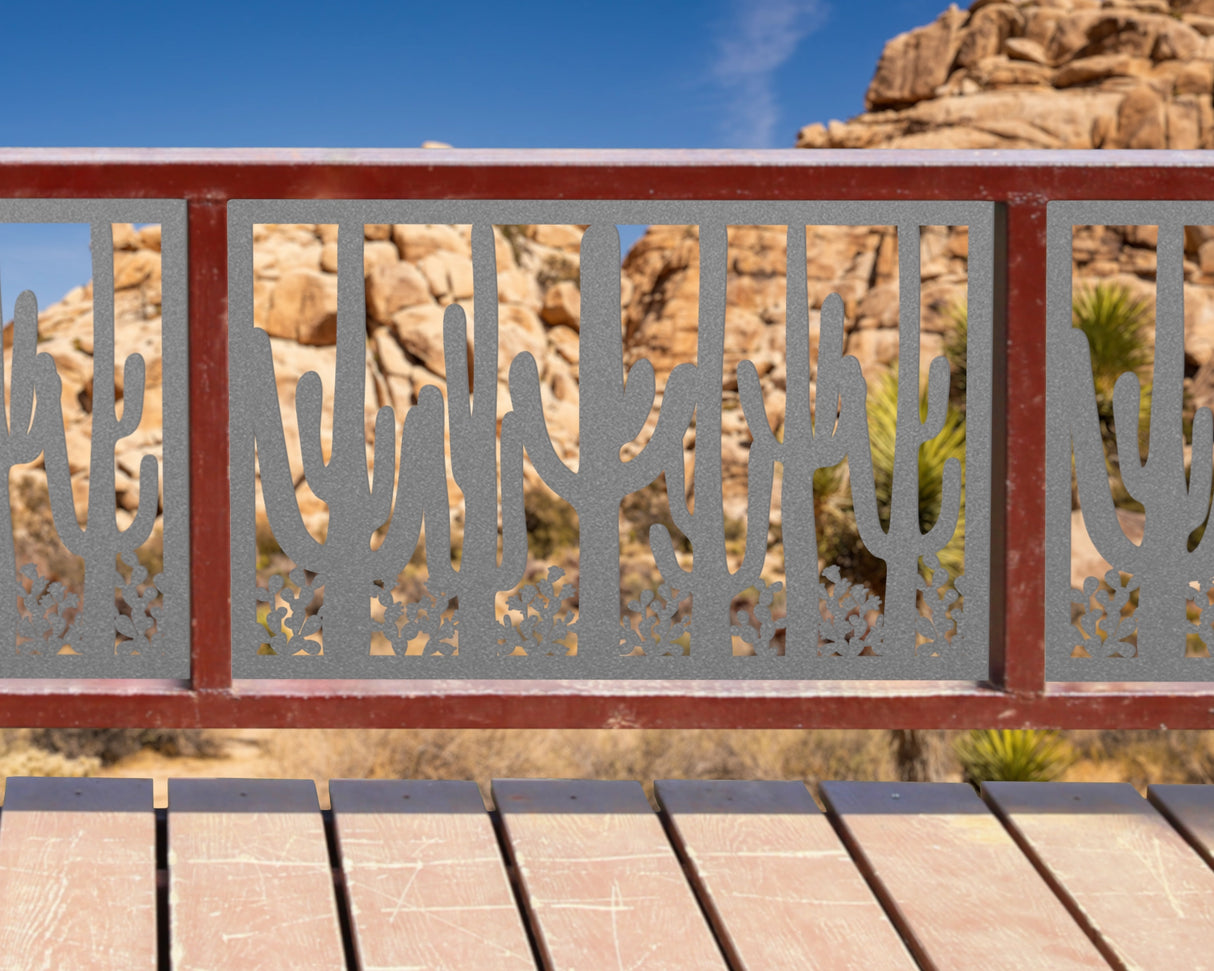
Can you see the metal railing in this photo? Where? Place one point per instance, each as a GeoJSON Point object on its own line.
{"type": "Point", "coordinates": [1018, 187]}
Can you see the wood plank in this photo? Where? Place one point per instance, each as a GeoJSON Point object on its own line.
{"type": "Point", "coordinates": [78, 875]}
{"type": "Point", "coordinates": [776, 880]}
{"type": "Point", "coordinates": [1190, 810]}
{"type": "Point", "coordinates": [1123, 869]}
{"type": "Point", "coordinates": [601, 882]}
{"type": "Point", "coordinates": [427, 883]}
{"type": "Point", "coordinates": [948, 873]}
{"type": "Point", "coordinates": [250, 885]}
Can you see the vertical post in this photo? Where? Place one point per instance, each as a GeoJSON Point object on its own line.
{"type": "Point", "coordinates": [1017, 652]}
{"type": "Point", "coordinates": [210, 565]}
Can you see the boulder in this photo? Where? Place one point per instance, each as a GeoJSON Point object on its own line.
{"type": "Point", "coordinates": [391, 287]}
{"type": "Point", "coordinates": [563, 304]}
{"type": "Point", "coordinates": [303, 307]}
{"type": "Point", "coordinates": [914, 64]}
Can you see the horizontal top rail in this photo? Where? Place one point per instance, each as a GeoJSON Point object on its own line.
{"type": "Point", "coordinates": [1016, 176]}
{"type": "Point", "coordinates": [227, 191]}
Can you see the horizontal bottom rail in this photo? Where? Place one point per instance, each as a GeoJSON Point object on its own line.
{"type": "Point", "coordinates": [601, 704]}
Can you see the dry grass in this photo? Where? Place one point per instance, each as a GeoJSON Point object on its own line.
{"type": "Point", "coordinates": [1137, 757]}
{"type": "Point", "coordinates": [1140, 758]}
{"type": "Point", "coordinates": [643, 755]}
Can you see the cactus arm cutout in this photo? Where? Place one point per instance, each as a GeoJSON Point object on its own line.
{"type": "Point", "coordinates": [1135, 473]}
{"type": "Point", "coordinates": [527, 404]}
{"type": "Point", "coordinates": [285, 519]}
{"type": "Point", "coordinates": [950, 507]}
{"type": "Point", "coordinates": [25, 358]}
{"type": "Point", "coordinates": [132, 396]}
{"type": "Point", "coordinates": [750, 393]}
{"type": "Point", "coordinates": [1091, 473]}
{"type": "Point", "coordinates": [938, 377]}
{"type": "Point", "coordinates": [140, 527]}
{"type": "Point", "coordinates": [309, 395]}
{"type": "Point", "coordinates": [637, 399]}
{"type": "Point", "coordinates": [379, 507]}
{"type": "Point", "coordinates": [1201, 469]}
{"type": "Point", "coordinates": [421, 459]}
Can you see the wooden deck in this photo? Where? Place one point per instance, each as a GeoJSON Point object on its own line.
{"type": "Point", "coordinates": [581, 874]}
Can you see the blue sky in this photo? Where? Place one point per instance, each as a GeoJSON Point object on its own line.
{"type": "Point", "coordinates": [622, 74]}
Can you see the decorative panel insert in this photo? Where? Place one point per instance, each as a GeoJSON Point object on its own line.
{"type": "Point", "coordinates": [1130, 564]}
{"type": "Point", "coordinates": [94, 447]}
{"type": "Point", "coordinates": [466, 442]}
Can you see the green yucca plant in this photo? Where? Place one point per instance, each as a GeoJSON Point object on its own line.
{"type": "Point", "coordinates": [1003, 755]}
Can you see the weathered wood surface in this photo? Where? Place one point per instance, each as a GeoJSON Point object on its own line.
{"type": "Point", "coordinates": [1072, 876]}
{"type": "Point", "coordinates": [1129, 875]}
{"type": "Point", "coordinates": [427, 884]}
{"type": "Point", "coordinates": [78, 875]}
{"type": "Point", "coordinates": [1190, 810]}
{"type": "Point", "coordinates": [250, 884]}
{"type": "Point", "coordinates": [775, 879]}
{"type": "Point", "coordinates": [600, 879]}
{"type": "Point", "coordinates": [962, 892]}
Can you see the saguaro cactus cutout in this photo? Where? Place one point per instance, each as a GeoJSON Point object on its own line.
{"type": "Point", "coordinates": [904, 542]}
{"type": "Point", "coordinates": [1162, 564]}
{"type": "Point", "coordinates": [813, 439]}
{"type": "Point", "coordinates": [474, 462]}
{"type": "Point", "coordinates": [20, 437]}
{"type": "Point", "coordinates": [100, 541]}
{"type": "Point", "coordinates": [697, 387]}
{"type": "Point", "coordinates": [358, 505]}
{"type": "Point", "coordinates": [611, 413]}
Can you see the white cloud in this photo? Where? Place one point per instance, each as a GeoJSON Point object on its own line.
{"type": "Point", "coordinates": [752, 43]}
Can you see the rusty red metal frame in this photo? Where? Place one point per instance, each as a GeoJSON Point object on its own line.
{"type": "Point", "coordinates": [1021, 183]}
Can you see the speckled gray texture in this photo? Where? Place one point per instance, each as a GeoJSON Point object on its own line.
{"type": "Point", "coordinates": [1161, 567]}
{"type": "Point", "coordinates": [613, 410]}
{"type": "Point", "coordinates": [163, 652]}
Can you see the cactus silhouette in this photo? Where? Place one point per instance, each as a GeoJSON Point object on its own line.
{"type": "Point", "coordinates": [357, 506]}
{"type": "Point", "coordinates": [474, 463]}
{"type": "Point", "coordinates": [611, 413]}
{"type": "Point", "coordinates": [1162, 563]}
{"type": "Point", "coordinates": [811, 440]}
{"type": "Point", "coordinates": [20, 437]}
{"type": "Point", "coordinates": [698, 388]}
{"type": "Point", "coordinates": [100, 542]}
{"type": "Point", "coordinates": [903, 542]}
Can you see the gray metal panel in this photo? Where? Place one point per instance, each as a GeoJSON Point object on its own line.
{"type": "Point", "coordinates": [346, 563]}
{"type": "Point", "coordinates": [1161, 567]}
{"type": "Point", "coordinates": [164, 651]}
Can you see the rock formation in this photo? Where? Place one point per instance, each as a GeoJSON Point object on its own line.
{"type": "Point", "coordinates": [1042, 74]}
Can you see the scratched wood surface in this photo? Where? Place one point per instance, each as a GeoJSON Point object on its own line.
{"type": "Point", "coordinates": [776, 880]}
{"type": "Point", "coordinates": [1190, 810]}
{"type": "Point", "coordinates": [426, 880]}
{"type": "Point", "coordinates": [78, 875]}
{"type": "Point", "coordinates": [963, 893]}
{"type": "Point", "coordinates": [1132, 878]}
{"type": "Point", "coordinates": [600, 879]}
{"type": "Point", "coordinates": [250, 884]}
